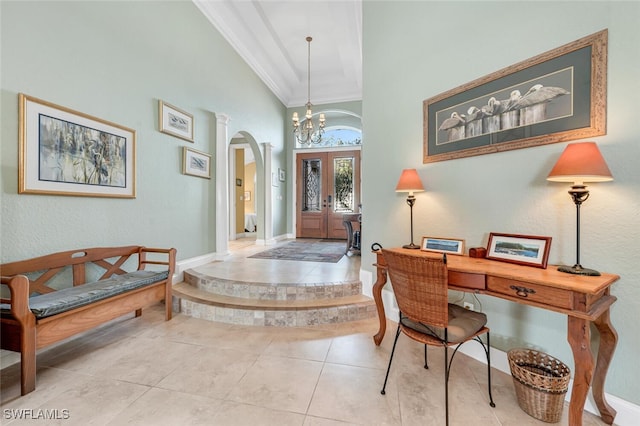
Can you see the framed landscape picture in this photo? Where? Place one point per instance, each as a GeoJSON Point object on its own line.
{"type": "Point", "coordinates": [66, 152]}
{"type": "Point", "coordinates": [442, 245]}
{"type": "Point", "coordinates": [521, 249]}
{"type": "Point", "coordinates": [558, 96]}
{"type": "Point", "coordinates": [175, 122]}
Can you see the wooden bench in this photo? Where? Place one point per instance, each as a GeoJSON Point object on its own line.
{"type": "Point", "coordinates": [51, 300]}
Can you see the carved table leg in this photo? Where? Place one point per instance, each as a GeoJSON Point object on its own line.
{"type": "Point", "coordinates": [608, 342]}
{"type": "Point", "coordinates": [381, 279]}
{"type": "Point", "coordinates": [579, 337]}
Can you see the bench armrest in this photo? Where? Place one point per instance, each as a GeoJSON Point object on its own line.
{"type": "Point", "coordinates": [170, 261]}
{"type": "Point", "coordinates": [19, 289]}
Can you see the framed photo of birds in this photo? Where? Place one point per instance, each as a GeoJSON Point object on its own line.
{"type": "Point", "coordinates": [556, 96]}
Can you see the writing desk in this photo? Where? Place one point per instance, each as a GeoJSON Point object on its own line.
{"type": "Point", "coordinates": [583, 299]}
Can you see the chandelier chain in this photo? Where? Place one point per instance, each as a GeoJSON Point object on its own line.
{"type": "Point", "coordinates": [307, 134]}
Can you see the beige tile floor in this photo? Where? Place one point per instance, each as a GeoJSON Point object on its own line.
{"type": "Point", "coordinates": [188, 371]}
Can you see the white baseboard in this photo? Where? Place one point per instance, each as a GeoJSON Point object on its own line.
{"type": "Point", "coordinates": [627, 413]}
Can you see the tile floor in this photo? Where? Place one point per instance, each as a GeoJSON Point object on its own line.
{"type": "Point", "coordinates": [188, 371]}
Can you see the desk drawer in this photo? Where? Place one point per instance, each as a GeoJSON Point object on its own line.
{"type": "Point", "coordinates": [466, 280]}
{"type": "Point", "coordinates": [531, 292]}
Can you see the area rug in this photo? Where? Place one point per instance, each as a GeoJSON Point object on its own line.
{"type": "Point", "coordinates": [307, 251]}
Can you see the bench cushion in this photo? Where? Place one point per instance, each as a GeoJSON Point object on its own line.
{"type": "Point", "coordinates": [66, 299]}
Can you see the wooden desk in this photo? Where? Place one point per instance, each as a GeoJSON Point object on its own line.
{"type": "Point", "coordinates": [583, 299]}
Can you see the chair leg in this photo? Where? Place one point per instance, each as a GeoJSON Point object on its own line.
{"type": "Point", "coordinates": [447, 366]}
{"type": "Point", "coordinates": [426, 364]}
{"type": "Point", "coordinates": [488, 351]}
{"type": "Point", "coordinates": [390, 359]}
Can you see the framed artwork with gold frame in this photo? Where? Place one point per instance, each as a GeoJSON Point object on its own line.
{"type": "Point", "coordinates": [174, 121]}
{"type": "Point", "coordinates": [67, 152]}
{"type": "Point", "coordinates": [557, 96]}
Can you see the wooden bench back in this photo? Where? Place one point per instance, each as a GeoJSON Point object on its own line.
{"type": "Point", "coordinates": [53, 264]}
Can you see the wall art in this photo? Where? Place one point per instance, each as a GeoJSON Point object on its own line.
{"type": "Point", "coordinates": [196, 163]}
{"type": "Point", "coordinates": [557, 96]}
{"type": "Point", "coordinates": [175, 122]}
{"type": "Point", "coordinates": [66, 152]}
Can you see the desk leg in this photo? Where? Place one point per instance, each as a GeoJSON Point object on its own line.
{"type": "Point", "coordinates": [608, 342]}
{"type": "Point", "coordinates": [579, 337]}
{"type": "Point", "coordinates": [381, 280]}
{"type": "Point", "coordinates": [349, 229]}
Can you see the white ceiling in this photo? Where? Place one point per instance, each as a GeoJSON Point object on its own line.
{"type": "Point", "coordinates": [270, 36]}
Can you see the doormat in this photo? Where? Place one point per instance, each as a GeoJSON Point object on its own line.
{"type": "Point", "coordinates": [307, 251]}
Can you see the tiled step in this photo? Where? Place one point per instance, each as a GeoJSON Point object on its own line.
{"type": "Point", "coordinates": [283, 305]}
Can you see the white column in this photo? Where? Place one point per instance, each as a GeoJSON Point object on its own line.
{"type": "Point", "coordinates": [268, 194]}
{"type": "Point", "coordinates": [222, 185]}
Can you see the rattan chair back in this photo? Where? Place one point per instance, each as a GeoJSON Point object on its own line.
{"type": "Point", "coordinates": [420, 286]}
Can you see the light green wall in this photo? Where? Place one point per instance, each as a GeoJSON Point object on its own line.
{"type": "Point", "coordinates": [114, 60]}
{"type": "Point", "coordinates": [416, 50]}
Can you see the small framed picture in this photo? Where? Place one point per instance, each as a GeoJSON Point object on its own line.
{"type": "Point", "coordinates": [521, 249]}
{"type": "Point", "coordinates": [175, 122]}
{"type": "Point", "coordinates": [442, 245]}
{"type": "Point", "coordinates": [238, 182]}
{"type": "Point", "coordinates": [196, 163]}
{"type": "Point", "coordinates": [247, 196]}
{"type": "Point", "coordinates": [281, 175]}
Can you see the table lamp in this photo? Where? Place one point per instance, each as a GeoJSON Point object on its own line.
{"type": "Point", "coordinates": [580, 162]}
{"type": "Point", "coordinates": [410, 182]}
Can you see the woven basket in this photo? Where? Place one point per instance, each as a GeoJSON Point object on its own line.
{"type": "Point", "coordinates": [541, 382]}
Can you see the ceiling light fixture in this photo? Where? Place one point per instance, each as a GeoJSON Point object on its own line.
{"type": "Point", "coordinates": [306, 134]}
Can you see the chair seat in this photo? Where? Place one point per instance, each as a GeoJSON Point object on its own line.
{"type": "Point", "coordinates": [463, 324]}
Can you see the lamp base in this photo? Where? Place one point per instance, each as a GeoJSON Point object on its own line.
{"type": "Point", "coordinates": [579, 270]}
{"type": "Point", "coordinates": [411, 246]}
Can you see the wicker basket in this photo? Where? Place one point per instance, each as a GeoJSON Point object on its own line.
{"type": "Point", "coordinates": [541, 382]}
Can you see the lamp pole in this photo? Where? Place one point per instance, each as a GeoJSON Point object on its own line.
{"type": "Point", "coordinates": [411, 200]}
{"type": "Point", "coordinates": [579, 194]}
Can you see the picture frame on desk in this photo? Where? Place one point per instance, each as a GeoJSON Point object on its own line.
{"type": "Point", "coordinates": [442, 245]}
{"type": "Point", "coordinates": [528, 250]}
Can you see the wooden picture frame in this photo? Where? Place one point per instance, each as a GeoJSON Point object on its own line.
{"type": "Point", "coordinates": [526, 250]}
{"type": "Point", "coordinates": [442, 245]}
{"type": "Point", "coordinates": [66, 152]}
{"type": "Point", "coordinates": [174, 121]}
{"type": "Point", "coordinates": [558, 96]}
{"type": "Point", "coordinates": [196, 163]}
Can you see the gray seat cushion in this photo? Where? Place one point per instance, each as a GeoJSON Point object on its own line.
{"type": "Point", "coordinates": [462, 324]}
{"type": "Point", "coordinates": [45, 305]}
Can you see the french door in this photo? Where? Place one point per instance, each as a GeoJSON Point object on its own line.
{"type": "Point", "coordinates": [327, 186]}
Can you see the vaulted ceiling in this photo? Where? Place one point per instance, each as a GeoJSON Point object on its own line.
{"type": "Point", "coordinates": [270, 36]}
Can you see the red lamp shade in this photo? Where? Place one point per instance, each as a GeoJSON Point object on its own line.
{"type": "Point", "coordinates": [580, 162]}
{"type": "Point", "coordinates": [409, 182]}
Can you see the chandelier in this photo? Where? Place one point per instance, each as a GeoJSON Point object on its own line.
{"type": "Point", "coordinates": [307, 133]}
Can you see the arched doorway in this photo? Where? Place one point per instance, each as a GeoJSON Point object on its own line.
{"type": "Point", "coordinates": [246, 188]}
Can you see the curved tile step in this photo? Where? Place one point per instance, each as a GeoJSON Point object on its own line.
{"type": "Point", "coordinates": [272, 291]}
{"type": "Point", "coordinates": [202, 304]}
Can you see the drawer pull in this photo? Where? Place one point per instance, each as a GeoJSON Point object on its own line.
{"type": "Point", "coordinates": [522, 291]}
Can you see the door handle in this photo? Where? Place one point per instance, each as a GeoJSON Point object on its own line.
{"type": "Point", "coordinates": [329, 200]}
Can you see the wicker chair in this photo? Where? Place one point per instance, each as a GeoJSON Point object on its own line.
{"type": "Point", "coordinates": [420, 286]}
